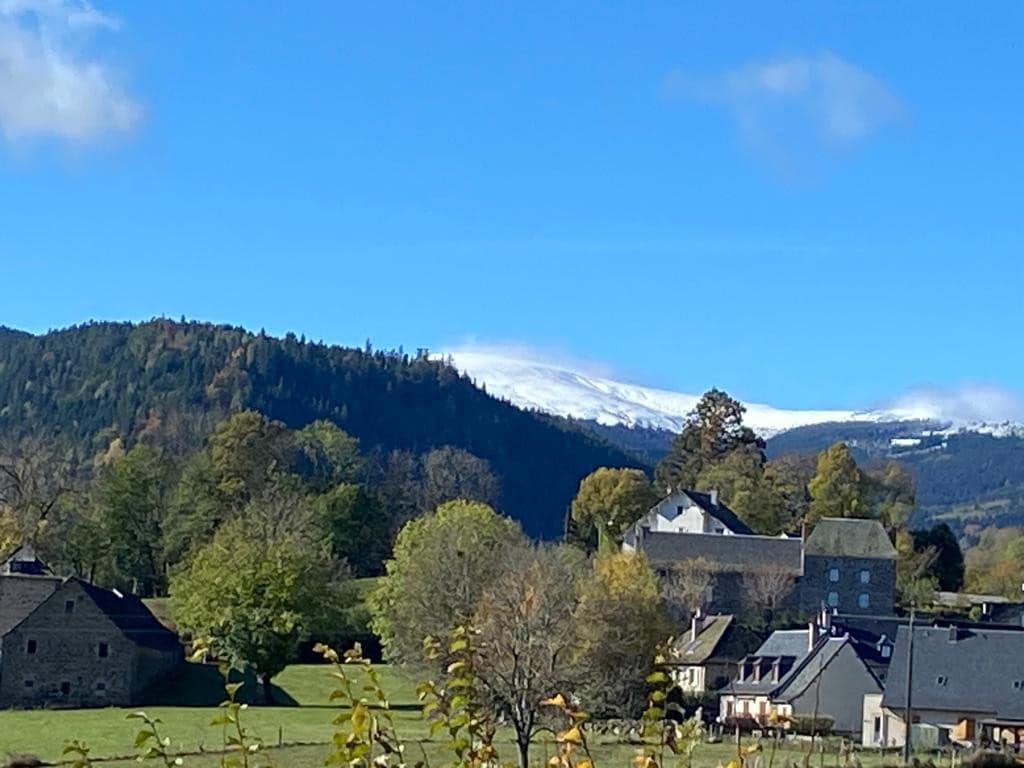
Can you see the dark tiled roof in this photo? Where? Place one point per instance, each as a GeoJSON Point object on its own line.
{"type": "Point", "coordinates": [23, 560]}
{"type": "Point", "coordinates": [20, 595]}
{"type": "Point", "coordinates": [785, 642]}
{"type": "Point", "coordinates": [973, 670]}
{"type": "Point", "coordinates": [728, 553]}
{"type": "Point", "coordinates": [712, 630]}
{"type": "Point", "coordinates": [724, 515]}
{"type": "Point", "coordinates": [132, 617]}
{"type": "Point", "coordinates": [849, 537]}
{"type": "Point", "coordinates": [806, 673]}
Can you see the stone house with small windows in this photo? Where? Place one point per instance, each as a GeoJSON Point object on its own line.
{"type": "Point", "coordinates": [849, 567]}
{"type": "Point", "coordinates": [67, 643]}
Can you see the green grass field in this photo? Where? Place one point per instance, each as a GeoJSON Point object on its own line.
{"type": "Point", "coordinates": [303, 728]}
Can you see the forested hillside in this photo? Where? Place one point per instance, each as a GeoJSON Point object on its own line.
{"type": "Point", "coordinates": [84, 387]}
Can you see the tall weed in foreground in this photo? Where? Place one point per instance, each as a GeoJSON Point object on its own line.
{"type": "Point", "coordinates": [365, 729]}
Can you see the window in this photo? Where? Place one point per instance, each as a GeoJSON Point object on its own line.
{"type": "Point", "coordinates": [103, 651]}
{"type": "Point", "coordinates": [865, 576]}
{"type": "Point", "coordinates": [101, 686]}
{"type": "Point", "coordinates": [69, 606]}
{"type": "Point", "coordinates": [833, 575]}
{"type": "Point", "coordinates": [833, 599]}
{"type": "Point", "coordinates": [863, 600]}
{"type": "Point", "coordinates": [29, 683]}
{"type": "Point", "coordinates": [30, 647]}
{"type": "Point", "coordinates": [65, 688]}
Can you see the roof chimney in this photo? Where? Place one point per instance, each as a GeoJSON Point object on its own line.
{"type": "Point", "coordinates": [812, 635]}
{"type": "Point", "coordinates": [695, 622]}
{"type": "Point", "coordinates": [953, 633]}
{"type": "Point", "coordinates": [714, 498]}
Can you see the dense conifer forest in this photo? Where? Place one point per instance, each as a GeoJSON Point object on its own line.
{"type": "Point", "coordinates": [83, 388]}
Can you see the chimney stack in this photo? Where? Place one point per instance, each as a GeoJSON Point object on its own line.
{"type": "Point", "coordinates": [812, 635]}
{"type": "Point", "coordinates": [714, 498]}
{"type": "Point", "coordinates": [695, 623]}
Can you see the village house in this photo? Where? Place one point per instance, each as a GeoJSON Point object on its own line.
{"type": "Point", "coordinates": [64, 642]}
{"type": "Point", "coordinates": [818, 671]}
{"type": "Point", "coordinates": [967, 686]}
{"type": "Point", "coordinates": [702, 659]}
{"type": "Point", "coordinates": [847, 565]}
{"type": "Point", "coordinates": [688, 512]}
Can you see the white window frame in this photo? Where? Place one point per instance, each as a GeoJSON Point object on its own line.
{"type": "Point", "coordinates": [833, 599]}
{"type": "Point", "coordinates": [833, 575]}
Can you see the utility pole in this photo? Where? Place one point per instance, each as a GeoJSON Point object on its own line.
{"type": "Point", "coordinates": [908, 712]}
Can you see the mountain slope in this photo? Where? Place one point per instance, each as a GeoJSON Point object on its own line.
{"type": "Point", "coordinates": [566, 391]}
{"type": "Point", "coordinates": [562, 391]}
{"type": "Point", "coordinates": [87, 385]}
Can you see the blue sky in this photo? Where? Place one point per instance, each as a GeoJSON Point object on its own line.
{"type": "Point", "coordinates": [810, 204]}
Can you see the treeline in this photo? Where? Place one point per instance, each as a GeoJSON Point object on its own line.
{"type": "Point", "coordinates": [147, 510]}
{"type": "Point", "coordinates": [169, 383]}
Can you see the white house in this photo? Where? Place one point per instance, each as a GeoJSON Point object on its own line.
{"type": "Point", "coordinates": [687, 512]}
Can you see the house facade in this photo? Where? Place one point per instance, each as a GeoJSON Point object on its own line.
{"type": "Point", "coordinates": [849, 567]}
{"type": "Point", "coordinates": [846, 565]}
{"type": "Point", "coordinates": [702, 659]}
{"type": "Point", "coordinates": [67, 643]}
{"type": "Point", "coordinates": [688, 512]}
{"type": "Point", "coordinates": [800, 673]}
{"type": "Point", "coordinates": [966, 686]}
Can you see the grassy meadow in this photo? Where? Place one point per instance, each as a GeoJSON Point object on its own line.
{"type": "Point", "coordinates": [300, 721]}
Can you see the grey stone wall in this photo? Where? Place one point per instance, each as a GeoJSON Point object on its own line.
{"type": "Point", "coordinates": [850, 592]}
{"type": "Point", "coordinates": [68, 667]}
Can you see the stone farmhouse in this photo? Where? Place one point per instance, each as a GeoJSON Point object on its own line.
{"type": "Point", "coordinates": [847, 565]}
{"type": "Point", "coordinates": [67, 643]}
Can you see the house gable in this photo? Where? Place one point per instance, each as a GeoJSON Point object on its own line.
{"type": "Point", "coordinates": [67, 652]}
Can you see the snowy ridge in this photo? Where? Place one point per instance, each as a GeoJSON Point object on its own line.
{"type": "Point", "coordinates": [562, 390]}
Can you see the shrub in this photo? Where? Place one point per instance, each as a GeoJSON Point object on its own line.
{"type": "Point", "coordinates": [809, 725]}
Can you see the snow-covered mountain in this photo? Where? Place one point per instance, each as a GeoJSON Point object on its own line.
{"type": "Point", "coordinates": [563, 390]}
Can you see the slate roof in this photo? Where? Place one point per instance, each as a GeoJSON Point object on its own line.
{"type": "Point", "coordinates": [710, 634]}
{"type": "Point", "coordinates": [724, 515]}
{"type": "Point", "coordinates": [785, 642]}
{"type": "Point", "coordinates": [20, 595]}
{"type": "Point", "coordinates": [23, 560]}
{"type": "Point", "coordinates": [849, 537]}
{"type": "Point", "coordinates": [806, 673]}
{"type": "Point", "coordinates": [800, 667]}
{"type": "Point", "coordinates": [980, 671]}
{"type": "Point", "coordinates": [132, 617]}
{"type": "Point", "coordinates": [729, 553]}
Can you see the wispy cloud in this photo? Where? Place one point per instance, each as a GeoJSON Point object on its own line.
{"type": "Point", "coordinates": [965, 404]}
{"type": "Point", "coordinates": [52, 85]}
{"type": "Point", "coordinates": [796, 112]}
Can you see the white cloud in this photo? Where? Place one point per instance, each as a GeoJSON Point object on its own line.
{"type": "Point", "coordinates": [51, 83]}
{"type": "Point", "coordinates": [963, 405]}
{"type": "Point", "coordinates": [797, 112]}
